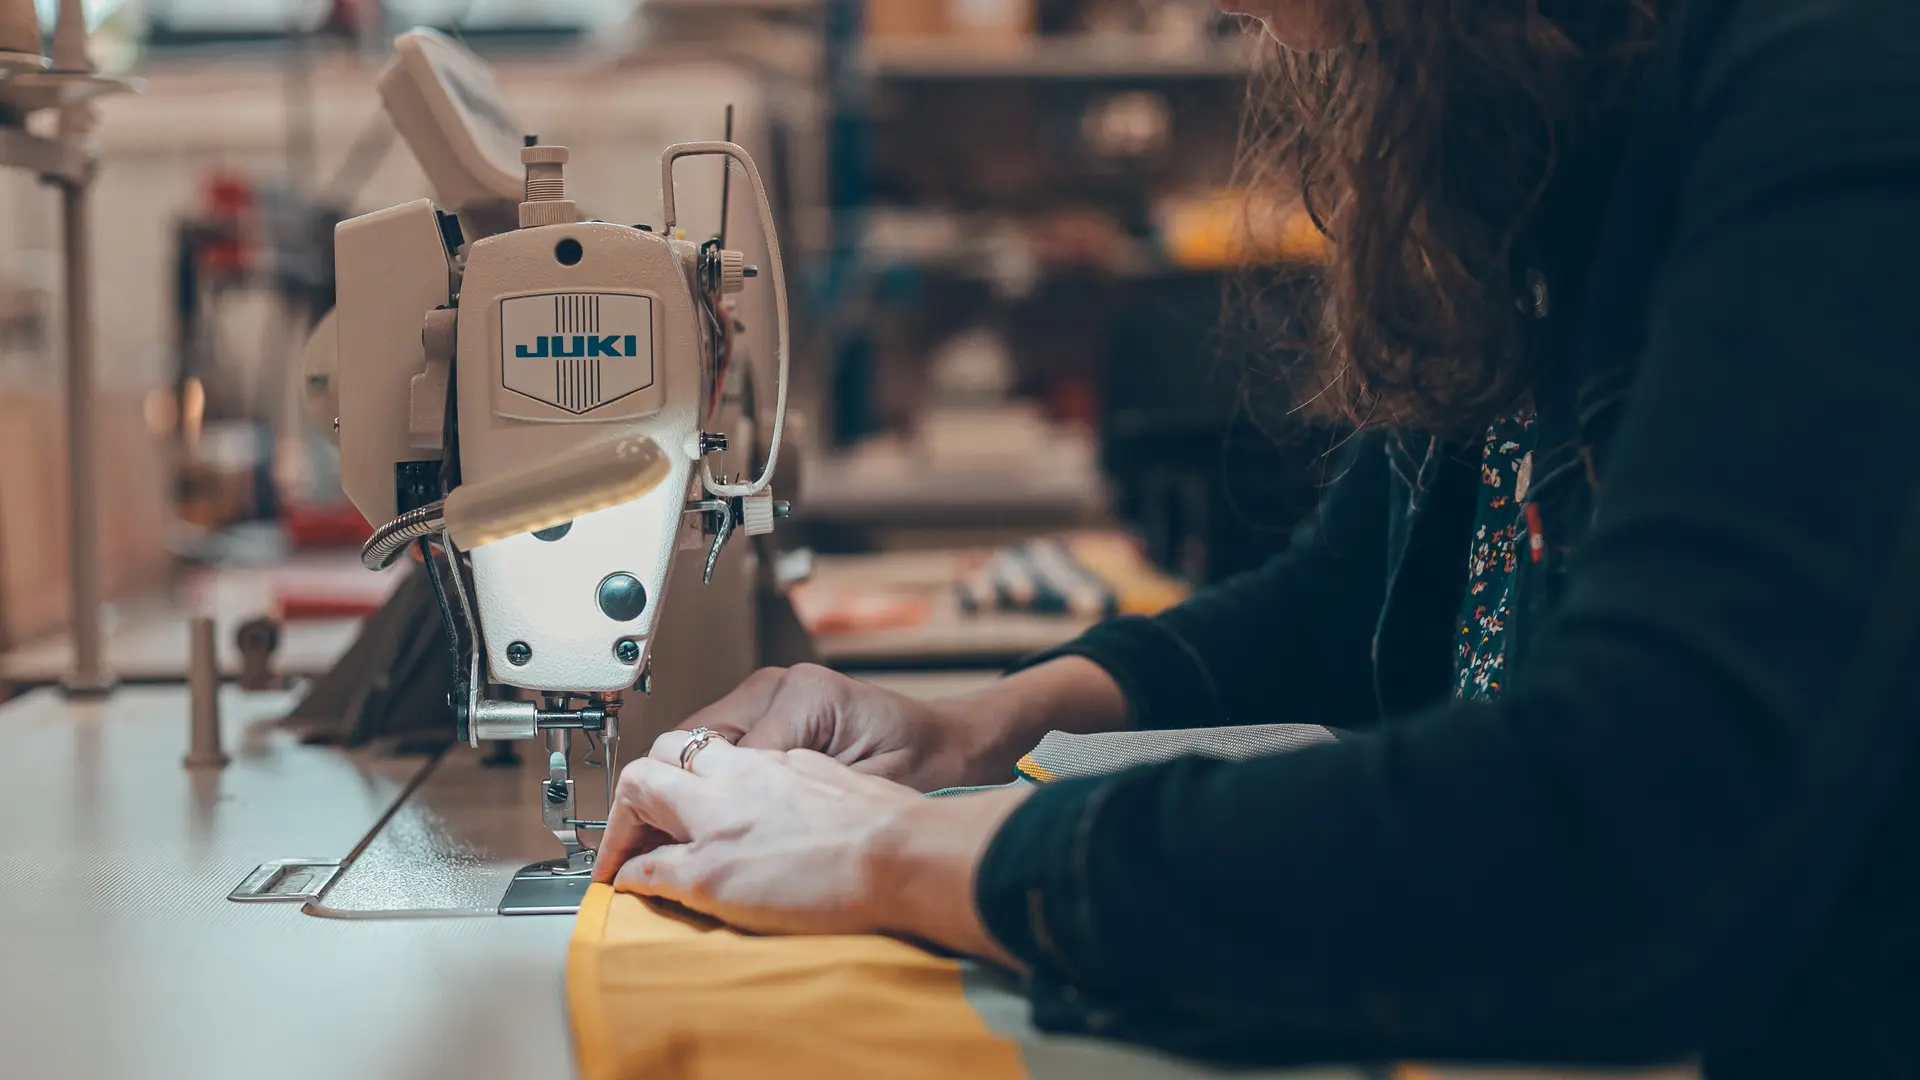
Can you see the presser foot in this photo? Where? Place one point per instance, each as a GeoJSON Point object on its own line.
{"type": "Point", "coordinates": [553, 887]}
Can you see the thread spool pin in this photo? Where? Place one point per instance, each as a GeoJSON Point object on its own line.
{"type": "Point", "coordinates": [203, 697]}
{"type": "Point", "coordinates": [546, 201]}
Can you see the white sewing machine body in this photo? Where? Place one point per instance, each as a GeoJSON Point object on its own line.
{"type": "Point", "coordinates": [532, 409]}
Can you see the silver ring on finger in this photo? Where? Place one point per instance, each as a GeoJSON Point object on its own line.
{"type": "Point", "coordinates": [697, 741]}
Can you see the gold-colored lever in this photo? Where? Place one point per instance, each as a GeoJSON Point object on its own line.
{"type": "Point", "coordinates": [554, 492]}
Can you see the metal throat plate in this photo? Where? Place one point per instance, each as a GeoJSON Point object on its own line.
{"type": "Point", "coordinates": [545, 888]}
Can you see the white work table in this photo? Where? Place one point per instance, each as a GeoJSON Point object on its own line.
{"type": "Point", "coordinates": [123, 956]}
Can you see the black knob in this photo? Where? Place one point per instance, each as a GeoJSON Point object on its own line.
{"type": "Point", "coordinates": [518, 653]}
{"type": "Point", "coordinates": [622, 597]}
{"type": "Point", "coordinates": [628, 650]}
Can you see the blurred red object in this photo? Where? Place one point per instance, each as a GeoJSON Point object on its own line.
{"type": "Point", "coordinates": [1073, 401]}
{"type": "Point", "coordinates": [335, 525]}
{"type": "Point", "coordinates": [348, 18]}
{"type": "Point", "coordinates": [828, 610]}
{"type": "Point", "coordinates": [228, 205]}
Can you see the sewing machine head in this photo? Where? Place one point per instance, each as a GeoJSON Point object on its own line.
{"type": "Point", "coordinates": [531, 400]}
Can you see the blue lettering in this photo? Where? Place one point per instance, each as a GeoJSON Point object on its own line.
{"type": "Point", "coordinates": [567, 347]}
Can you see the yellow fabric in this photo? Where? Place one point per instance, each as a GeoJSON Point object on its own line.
{"type": "Point", "coordinates": [1033, 770]}
{"type": "Point", "coordinates": [655, 996]}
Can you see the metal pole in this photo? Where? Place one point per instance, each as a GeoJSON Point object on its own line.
{"type": "Point", "coordinates": [89, 674]}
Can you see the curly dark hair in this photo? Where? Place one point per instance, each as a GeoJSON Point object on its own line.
{"type": "Point", "coordinates": [1421, 154]}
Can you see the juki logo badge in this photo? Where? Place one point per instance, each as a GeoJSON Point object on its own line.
{"type": "Point", "coordinates": [576, 351]}
{"type": "Point", "coordinates": [562, 347]}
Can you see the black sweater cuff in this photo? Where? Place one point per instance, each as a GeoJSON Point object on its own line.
{"type": "Point", "coordinates": [1032, 887]}
{"type": "Point", "coordinates": [1159, 672]}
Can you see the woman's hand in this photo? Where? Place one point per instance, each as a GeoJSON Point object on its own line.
{"type": "Point", "coordinates": [795, 842]}
{"type": "Point", "coordinates": [926, 745]}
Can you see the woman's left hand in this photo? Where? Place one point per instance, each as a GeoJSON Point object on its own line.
{"type": "Point", "coordinates": [795, 842]}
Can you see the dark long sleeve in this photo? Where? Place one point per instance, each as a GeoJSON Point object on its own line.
{"type": "Point", "coordinates": [1633, 852]}
{"type": "Point", "coordinates": [1305, 620]}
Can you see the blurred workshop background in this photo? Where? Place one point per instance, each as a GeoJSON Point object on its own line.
{"type": "Point", "coordinates": [1038, 327]}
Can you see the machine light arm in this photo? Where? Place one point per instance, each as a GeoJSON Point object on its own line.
{"type": "Point", "coordinates": [591, 478]}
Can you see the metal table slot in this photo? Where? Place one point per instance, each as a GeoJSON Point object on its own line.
{"type": "Point", "coordinates": [286, 879]}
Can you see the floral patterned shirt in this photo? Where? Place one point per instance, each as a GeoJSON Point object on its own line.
{"type": "Point", "coordinates": [1499, 542]}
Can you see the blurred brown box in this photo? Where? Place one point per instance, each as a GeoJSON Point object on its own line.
{"type": "Point", "coordinates": [34, 576]}
{"type": "Point", "coordinates": [906, 20]}
{"type": "Point", "coordinates": [982, 21]}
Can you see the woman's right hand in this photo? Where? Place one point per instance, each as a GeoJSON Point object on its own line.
{"type": "Point", "coordinates": [926, 745]}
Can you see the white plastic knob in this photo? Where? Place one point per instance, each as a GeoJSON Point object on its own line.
{"type": "Point", "coordinates": [756, 513]}
{"type": "Point", "coordinates": [733, 272]}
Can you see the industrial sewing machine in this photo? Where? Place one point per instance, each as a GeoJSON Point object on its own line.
{"type": "Point", "coordinates": [533, 403]}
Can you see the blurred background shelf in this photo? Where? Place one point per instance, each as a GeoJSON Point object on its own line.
{"type": "Point", "coordinates": [1091, 57]}
{"type": "Point", "coordinates": [146, 633]}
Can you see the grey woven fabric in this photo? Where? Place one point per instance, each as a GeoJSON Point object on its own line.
{"type": "Point", "coordinates": [1067, 757]}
